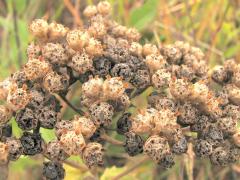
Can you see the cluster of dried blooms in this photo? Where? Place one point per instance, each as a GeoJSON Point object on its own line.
{"type": "Point", "coordinates": [113, 67]}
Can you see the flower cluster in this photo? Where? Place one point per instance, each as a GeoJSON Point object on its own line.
{"type": "Point", "coordinates": [112, 67]}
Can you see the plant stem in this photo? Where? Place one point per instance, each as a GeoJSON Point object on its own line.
{"type": "Point", "coordinates": [79, 111]}
{"type": "Point", "coordinates": [132, 168]}
{"type": "Point", "coordinates": [111, 140]}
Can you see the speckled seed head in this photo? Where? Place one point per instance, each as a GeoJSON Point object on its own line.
{"type": "Point", "coordinates": [162, 120]}
{"type": "Point", "coordinates": [124, 123]}
{"type": "Point", "coordinates": [133, 144]}
{"type": "Point", "coordinates": [228, 125]}
{"type": "Point", "coordinates": [84, 125]}
{"type": "Point", "coordinates": [163, 103]}
{"type": "Point", "coordinates": [93, 87]}
{"type": "Point", "coordinates": [201, 124]}
{"type": "Point", "coordinates": [56, 31]}
{"type": "Point", "coordinates": [181, 146]}
{"type": "Point", "coordinates": [220, 75]}
{"type": "Point", "coordinates": [55, 152]}
{"type": "Point", "coordinates": [141, 79]}
{"type": "Point", "coordinates": [155, 62]}
{"type": "Point", "coordinates": [32, 143]}
{"type": "Point", "coordinates": [119, 30]}
{"type": "Point", "coordinates": [121, 103]}
{"type": "Point", "coordinates": [142, 121]}
{"type": "Point", "coordinates": [161, 79]}
{"type": "Point", "coordinates": [234, 154]}
{"type": "Point", "coordinates": [93, 155]}
{"type": "Point", "coordinates": [149, 49]}
{"type": "Point", "coordinates": [187, 114]}
{"type": "Point", "coordinates": [39, 28]}
{"type": "Point", "coordinates": [26, 119]}
{"type": "Point", "coordinates": [200, 92]}
{"type": "Point", "coordinates": [81, 62]}
{"type": "Point", "coordinates": [33, 50]}
{"type": "Point", "coordinates": [77, 39]}
{"type": "Point", "coordinates": [136, 49]}
{"type": "Point", "coordinates": [101, 114]}
{"type": "Point", "coordinates": [72, 142]}
{"type": "Point", "coordinates": [94, 47]}
{"type": "Point", "coordinates": [5, 87]}
{"type": "Point", "coordinates": [183, 46]}
{"type": "Point", "coordinates": [4, 149]}
{"type": "Point", "coordinates": [90, 11]}
{"type": "Point", "coordinates": [54, 82]}
{"type": "Point", "coordinates": [55, 53]}
{"type": "Point", "coordinates": [53, 170]}
{"type": "Point", "coordinates": [172, 53]}
{"type": "Point", "coordinates": [18, 98]}
{"type": "Point", "coordinates": [113, 88]}
{"type": "Point", "coordinates": [104, 8]}
{"type": "Point", "coordinates": [62, 127]}
{"type": "Point", "coordinates": [219, 156]}
{"type": "Point", "coordinates": [236, 76]}
{"type": "Point", "coordinates": [156, 147]}
{"type": "Point", "coordinates": [5, 114]}
{"type": "Point", "coordinates": [233, 93]}
{"type": "Point", "coordinates": [167, 161]}
{"type": "Point", "coordinates": [180, 89]}
{"type": "Point", "coordinates": [47, 117]}
{"type": "Point", "coordinates": [36, 68]}
{"type": "Point", "coordinates": [122, 70]}
{"type": "Point", "coordinates": [15, 148]}
{"type": "Point", "coordinates": [97, 30]}
{"type": "Point", "coordinates": [231, 110]}
{"type": "Point", "coordinates": [203, 148]}
{"type": "Point", "coordinates": [132, 34]}
{"type": "Point", "coordinates": [236, 138]}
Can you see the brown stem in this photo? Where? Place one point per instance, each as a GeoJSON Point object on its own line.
{"type": "Point", "coordinates": [130, 169]}
{"type": "Point", "coordinates": [111, 140]}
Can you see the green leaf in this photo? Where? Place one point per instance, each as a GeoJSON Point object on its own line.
{"type": "Point", "coordinates": [141, 17]}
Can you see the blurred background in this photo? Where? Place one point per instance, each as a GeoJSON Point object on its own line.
{"type": "Point", "coordinates": [212, 25]}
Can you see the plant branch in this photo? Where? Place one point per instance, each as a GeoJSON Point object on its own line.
{"type": "Point", "coordinates": [111, 140]}
{"type": "Point", "coordinates": [130, 169]}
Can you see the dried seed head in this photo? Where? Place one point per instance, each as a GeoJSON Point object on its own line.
{"type": "Point", "coordinates": [47, 117]}
{"type": "Point", "coordinates": [234, 154]}
{"type": "Point", "coordinates": [93, 155]}
{"type": "Point", "coordinates": [33, 51]}
{"type": "Point", "coordinates": [181, 146]}
{"type": "Point", "coordinates": [55, 152]}
{"type": "Point", "coordinates": [156, 147]}
{"type": "Point", "coordinates": [101, 114]}
{"type": "Point", "coordinates": [220, 75]}
{"type": "Point", "coordinates": [55, 53]}
{"type": "Point", "coordinates": [36, 68]}
{"type": "Point", "coordinates": [5, 114]}
{"type": "Point", "coordinates": [124, 123]}
{"type": "Point", "coordinates": [4, 149]}
{"type": "Point", "coordinates": [39, 28]}
{"type": "Point", "coordinates": [53, 170]}
{"type": "Point", "coordinates": [121, 103]}
{"type": "Point", "coordinates": [149, 49]}
{"type": "Point", "coordinates": [32, 143]}
{"type": "Point", "coordinates": [172, 53]}
{"type": "Point", "coordinates": [183, 46]}
{"type": "Point", "coordinates": [18, 98]}
{"type": "Point", "coordinates": [187, 114]}
{"type": "Point", "coordinates": [88, 101]}
{"type": "Point", "coordinates": [97, 30]}
{"type": "Point", "coordinates": [72, 143]}
{"type": "Point", "coordinates": [136, 49]}
{"type": "Point", "coordinates": [233, 93]}
{"type": "Point", "coordinates": [15, 149]}
{"type": "Point", "coordinates": [227, 124]}
{"type": "Point", "coordinates": [81, 62]}
{"type": "Point", "coordinates": [84, 125]}
{"type": "Point", "coordinates": [94, 47]}
{"type": "Point", "coordinates": [203, 148]}
{"type": "Point", "coordinates": [90, 11]}
{"type": "Point", "coordinates": [201, 124]}
{"type": "Point", "coordinates": [92, 88]}
{"type": "Point", "coordinates": [180, 89]}
{"type": "Point", "coordinates": [155, 62]}
{"type": "Point", "coordinates": [119, 30]}
{"type": "Point", "coordinates": [141, 79]}
{"type": "Point", "coordinates": [161, 79]}
{"type": "Point", "coordinates": [219, 156]}
{"type": "Point", "coordinates": [167, 161]}
{"type": "Point", "coordinates": [132, 34]}
{"type": "Point", "coordinates": [62, 127]}
{"type": "Point", "coordinates": [5, 131]}
{"type": "Point", "coordinates": [122, 70]}
{"type": "Point", "coordinates": [104, 8]}
{"type": "Point", "coordinates": [5, 87]}
{"type": "Point", "coordinates": [54, 82]}
{"type": "Point", "coordinates": [102, 66]}
{"type": "Point", "coordinates": [113, 88]}
{"type": "Point", "coordinates": [26, 119]}
{"type": "Point", "coordinates": [56, 31]}
{"type": "Point", "coordinates": [142, 122]}
{"type": "Point", "coordinates": [77, 39]}
{"type": "Point", "coordinates": [133, 144]}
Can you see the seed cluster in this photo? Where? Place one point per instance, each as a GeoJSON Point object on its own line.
{"type": "Point", "coordinates": [113, 67]}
